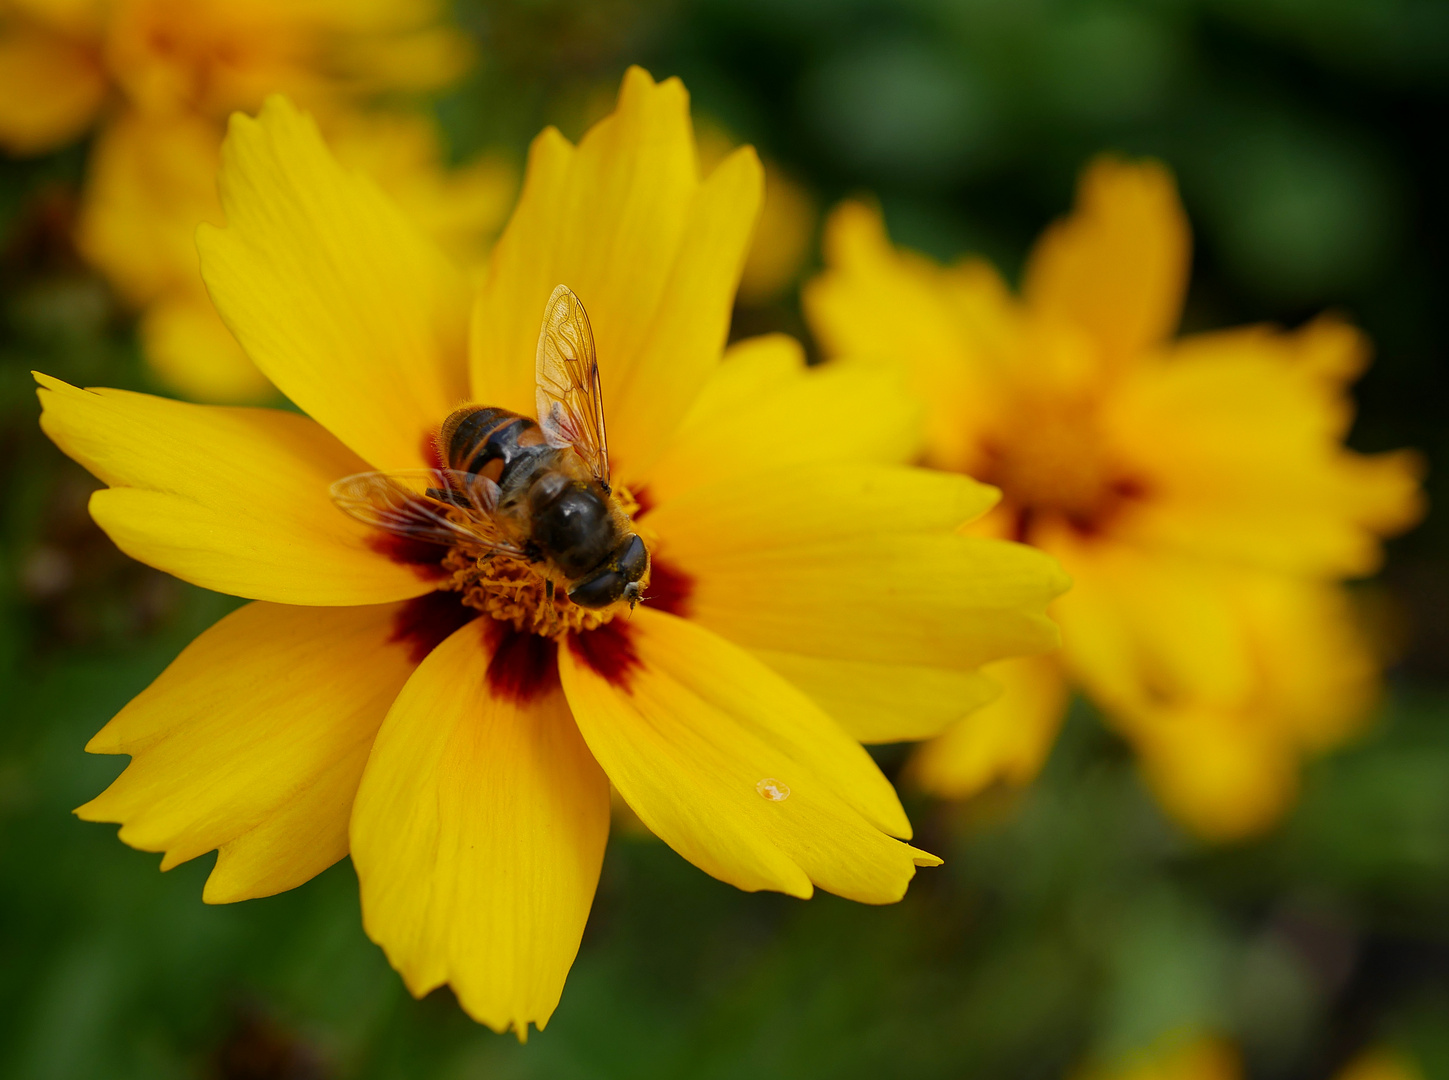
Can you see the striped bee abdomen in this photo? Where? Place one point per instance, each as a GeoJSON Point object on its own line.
{"type": "Point", "coordinates": [490, 441]}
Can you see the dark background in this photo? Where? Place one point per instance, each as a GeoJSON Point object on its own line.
{"type": "Point", "coordinates": [1070, 922]}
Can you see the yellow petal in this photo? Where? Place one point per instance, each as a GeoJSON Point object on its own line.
{"type": "Point", "coordinates": [153, 179]}
{"type": "Point", "coordinates": [1288, 653]}
{"type": "Point", "coordinates": [653, 252]}
{"type": "Point", "coordinates": [334, 295]}
{"type": "Point", "coordinates": [1118, 265]}
{"type": "Point", "coordinates": [253, 742]}
{"type": "Point", "coordinates": [230, 499]}
{"type": "Point", "coordinates": [478, 835]}
{"type": "Point", "coordinates": [947, 329]}
{"type": "Point", "coordinates": [1225, 777]}
{"type": "Point", "coordinates": [882, 703]}
{"type": "Point", "coordinates": [857, 563]}
{"type": "Point", "coordinates": [50, 89]}
{"type": "Point", "coordinates": [1221, 676]}
{"type": "Point", "coordinates": [763, 410]}
{"type": "Point", "coordinates": [1320, 672]}
{"type": "Point", "coordinates": [818, 503]}
{"type": "Point", "coordinates": [812, 545]}
{"type": "Point", "coordinates": [1139, 624]}
{"type": "Point", "coordinates": [1008, 740]}
{"type": "Point", "coordinates": [702, 741]}
{"type": "Point", "coordinates": [1237, 437]}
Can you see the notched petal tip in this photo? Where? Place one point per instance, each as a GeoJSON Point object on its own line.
{"type": "Point", "coordinates": [105, 741]}
{"type": "Point", "coordinates": [49, 382]}
{"type": "Point", "coordinates": [639, 85]}
{"type": "Point", "coordinates": [217, 893]}
{"type": "Point", "coordinates": [277, 110]}
{"type": "Point", "coordinates": [53, 393]}
{"type": "Point", "coordinates": [1054, 579]}
{"type": "Point", "coordinates": [95, 810]}
{"type": "Point", "coordinates": [854, 230]}
{"type": "Point", "coordinates": [925, 858]}
{"type": "Point", "coordinates": [742, 166]}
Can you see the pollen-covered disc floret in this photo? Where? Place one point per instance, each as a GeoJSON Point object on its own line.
{"type": "Point", "coordinates": [515, 591]}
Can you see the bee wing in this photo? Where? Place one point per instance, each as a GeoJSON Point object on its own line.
{"type": "Point", "coordinates": [570, 399]}
{"type": "Point", "coordinates": [440, 506]}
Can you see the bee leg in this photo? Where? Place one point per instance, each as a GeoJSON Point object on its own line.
{"type": "Point", "coordinates": [550, 610]}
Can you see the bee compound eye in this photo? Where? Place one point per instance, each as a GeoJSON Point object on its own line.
{"type": "Point", "coordinates": [634, 559]}
{"type": "Point", "coordinates": [599, 591]}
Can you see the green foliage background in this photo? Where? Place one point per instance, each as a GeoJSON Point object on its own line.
{"type": "Point", "coordinates": [1309, 140]}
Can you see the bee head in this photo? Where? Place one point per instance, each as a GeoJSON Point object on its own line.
{"type": "Point", "coordinates": [617, 580]}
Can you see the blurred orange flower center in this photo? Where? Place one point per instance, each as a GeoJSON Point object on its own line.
{"type": "Point", "coordinates": [1050, 461]}
{"type": "Point", "coordinates": [172, 55]}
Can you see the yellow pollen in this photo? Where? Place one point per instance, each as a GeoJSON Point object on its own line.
{"type": "Point", "coordinates": [514, 590]}
{"type": "Point", "coordinates": [626, 501]}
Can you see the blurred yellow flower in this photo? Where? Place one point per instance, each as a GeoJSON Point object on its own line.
{"type": "Point", "coordinates": [61, 60]}
{"type": "Point", "coordinates": [1196, 490]}
{"type": "Point", "coordinates": [1181, 1057]}
{"type": "Point", "coordinates": [373, 702]}
{"type": "Point", "coordinates": [153, 180]}
{"type": "Point", "coordinates": [173, 71]}
{"type": "Point", "coordinates": [783, 234]}
{"type": "Point", "coordinates": [1381, 1063]}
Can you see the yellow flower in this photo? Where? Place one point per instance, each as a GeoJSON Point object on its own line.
{"type": "Point", "coordinates": [1196, 490]}
{"type": "Point", "coordinates": [807, 590]}
{"type": "Point", "coordinates": [60, 59]}
{"type": "Point", "coordinates": [1381, 1063]}
{"type": "Point", "coordinates": [1177, 1057]}
{"type": "Point", "coordinates": [176, 68]}
{"type": "Point", "coordinates": [153, 180]}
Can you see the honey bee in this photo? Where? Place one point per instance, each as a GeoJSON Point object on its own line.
{"type": "Point", "coordinates": [535, 490]}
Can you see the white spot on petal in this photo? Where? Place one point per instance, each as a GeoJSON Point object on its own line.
{"type": "Point", "coordinates": [772, 790]}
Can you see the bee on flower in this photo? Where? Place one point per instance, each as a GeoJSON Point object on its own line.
{"type": "Point", "coordinates": [1196, 490]}
{"type": "Point", "coordinates": [525, 546]}
{"type": "Point", "coordinates": [156, 79]}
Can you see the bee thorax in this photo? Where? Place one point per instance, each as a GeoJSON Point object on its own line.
{"type": "Point", "coordinates": [572, 523]}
